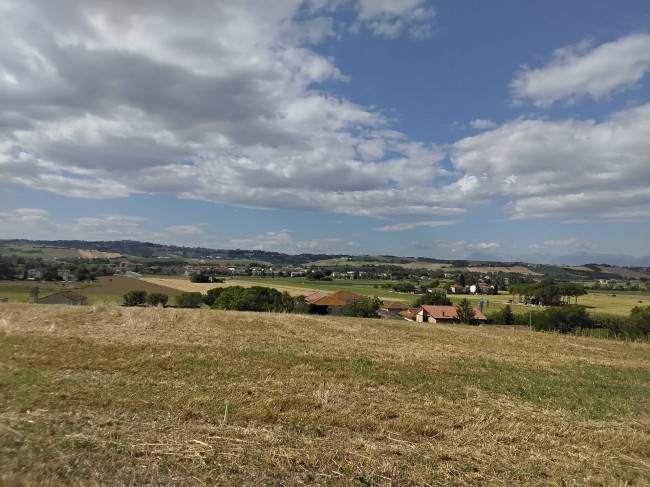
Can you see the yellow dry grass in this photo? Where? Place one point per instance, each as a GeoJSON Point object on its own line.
{"type": "Point", "coordinates": [112, 396]}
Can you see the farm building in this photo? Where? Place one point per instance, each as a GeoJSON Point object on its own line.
{"type": "Point", "coordinates": [334, 304]}
{"type": "Point", "coordinates": [444, 314]}
{"type": "Point", "coordinates": [65, 297]}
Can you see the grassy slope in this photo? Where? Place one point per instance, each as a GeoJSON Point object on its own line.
{"type": "Point", "coordinates": [109, 395]}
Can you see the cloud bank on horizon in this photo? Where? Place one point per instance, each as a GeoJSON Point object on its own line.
{"type": "Point", "coordinates": [238, 103]}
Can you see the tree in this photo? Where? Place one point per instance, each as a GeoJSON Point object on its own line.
{"type": "Point", "coordinates": [82, 273]}
{"type": "Point", "coordinates": [364, 307]}
{"type": "Point", "coordinates": [640, 320]}
{"type": "Point", "coordinates": [200, 277]}
{"type": "Point", "coordinates": [564, 319]}
{"type": "Point", "coordinates": [212, 295]}
{"type": "Point", "coordinates": [154, 299]}
{"type": "Point", "coordinates": [461, 280]}
{"type": "Point", "coordinates": [438, 299]}
{"type": "Point", "coordinates": [188, 300]}
{"type": "Point", "coordinates": [135, 298]}
{"type": "Point", "coordinates": [465, 312]}
{"type": "Point", "coordinates": [508, 317]}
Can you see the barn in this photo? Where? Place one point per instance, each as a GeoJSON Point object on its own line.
{"type": "Point", "coordinates": [65, 297]}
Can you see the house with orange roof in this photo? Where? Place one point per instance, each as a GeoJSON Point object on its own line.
{"type": "Point", "coordinates": [334, 304]}
{"type": "Point", "coordinates": [444, 314]}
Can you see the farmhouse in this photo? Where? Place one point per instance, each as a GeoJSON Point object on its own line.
{"type": "Point", "coordinates": [457, 289]}
{"type": "Point", "coordinates": [334, 304]}
{"type": "Point", "coordinates": [394, 306]}
{"type": "Point", "coordinates": [444, 314]}
{"type": "Point", "coordinates": [65, 297]}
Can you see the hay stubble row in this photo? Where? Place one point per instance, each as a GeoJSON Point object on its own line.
{"type": "Point", "coordinates": [110, 395]}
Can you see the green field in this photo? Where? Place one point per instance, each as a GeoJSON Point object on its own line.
{"type": "Point", "coordinates": [104, 395]}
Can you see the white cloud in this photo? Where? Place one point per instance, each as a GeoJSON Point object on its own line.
{"type": "Point", "coordinates": [282, 241]}
{"type": "Point", "coordinates": [482, 124]}
{"type": "Point", "coordinates": [109, 99]}
{"type": "Point", "coordinates": [186, 230]}
{"type": "Point", "coordinates": [390, 17]}
{"type": "Point", "coordinates": [571, 242]}
{"type": "Point", "coordinates": [463, 246]}
{"type": "Point", "coordinates": [403, 227]}
{"type": "Point", "coordinates": [558, 168]}
{"type": "Point", "coordinates": [38, 224]}
{"type": "Point", "coordinates": [582, 70]}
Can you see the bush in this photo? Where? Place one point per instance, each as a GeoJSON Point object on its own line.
{"type": "Point", "coordinates": [154, 299]}
{"type": "Point", "coordinates": [436, 299]}
{"type": "Point", "coordinates": [199, 277]}
{"type": "Point", "coordinates": [563, 319]}
{"type": "Point", "coordinates": [212, 295]}
{"type": "Point", "coordinates": [135, 298]}
{"type": "Point", "coordinates": [364, 307]}
{"type": "Point", "coordinates": [188, 300]}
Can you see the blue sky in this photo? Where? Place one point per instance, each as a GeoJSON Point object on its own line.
{"type": "Point", "coordinates": [415, 128]}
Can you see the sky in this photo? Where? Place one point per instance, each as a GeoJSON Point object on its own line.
{"type": "Point", "coordinates": [441, 129]}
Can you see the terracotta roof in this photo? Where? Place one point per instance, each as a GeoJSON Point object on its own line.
{"type": "Point", "coordinates": [409, 313]}
{"type": "Point", "coordinates": [395, 305]}
{"type": "Point", "coordinates": [71, 295]}
{"type": "Point", "coordinates": [448, 312]}
{"type": "Point", "coordinates": [346, 295]}
{"type": "Point", "coordinates": [314, 296]}
{"type": "Point", "coordinates": [329, 300]}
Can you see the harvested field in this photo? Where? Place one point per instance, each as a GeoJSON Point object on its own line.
{"type": "Point", "coordinates": [624, 272]}
{"type": "Point", "coordinates": [107, 395]}
{"type": "Point", "coordinates": [184, 285]}
{"type": "Point", "coordinates": [120, 285]}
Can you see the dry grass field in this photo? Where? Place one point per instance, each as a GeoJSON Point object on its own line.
{"type": "Point", "coordinates": [104, 395]}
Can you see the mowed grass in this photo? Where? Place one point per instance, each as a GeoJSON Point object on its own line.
{"type": "Point", "coordinates": [113, 396]}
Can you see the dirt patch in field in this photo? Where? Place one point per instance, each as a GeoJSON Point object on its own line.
{"type": "Point", "coordinates": [120, 285]}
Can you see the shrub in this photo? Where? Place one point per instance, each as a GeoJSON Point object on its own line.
{"type": "Point", "coordinates": [154, 299]}
{"type": "Point", "coordinates": [438, 299]}
{"type": "Point", "coordinates": [364, 307]}
{"type": "Point", "coordinates": [188, 300]}
{"type": "Point", "coordinates": [134, 298]}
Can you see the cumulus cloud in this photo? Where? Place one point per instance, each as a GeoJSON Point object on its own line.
{"type": "Point", "coordinates": [583, 70]}
{"type": "Point", "coordinates": [390, 17]}
{"type": "Point", "coordinates": [38, 224]}
{"type": "Point", "coordinates": [108, 99]}
{"type": "Point", "coordinates": [283, 241]}
{"type": "Point", "coordinates": [403, 227]}
{"type": "Point", "coordinates": [557, 168]}
{"type": "Point", "coordinates": [186, 230]}
{"type": "Point", "coordinates": [571, 242]}
{"type": "Point", "coordinates": [482, 124]}
{"type": "Point", "coordinates": [462, 246]}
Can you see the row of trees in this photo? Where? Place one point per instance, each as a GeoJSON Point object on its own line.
{"type": "Point", "coordinates": [255, 298]}
{"type": "Point", "coordinates": [574, 318]}
{"type": "Point", "coordinates": [547, 292]}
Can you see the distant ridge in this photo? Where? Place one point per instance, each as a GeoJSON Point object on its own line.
{"type": "Point", "coordinates": [153, 250]}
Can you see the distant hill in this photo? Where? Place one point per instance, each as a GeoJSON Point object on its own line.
{"type": "Point", "coordinates": [570, 266]}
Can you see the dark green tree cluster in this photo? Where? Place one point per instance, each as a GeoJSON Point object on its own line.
{"type": "Point", "coordinates": [255, 298]}
{"type": "Point", "coordinates": [200, 277]}
{"type": "Point", "coordinates": [404, 287]}
{"type": "Point", "coordinates": [436, 299]}
{"type": "Point", "coordinates": [135, 298]}
{"type": "Point", "coordinates": [154, 299]}
{"type": "Point", "coordinates": [364, 307]}
{"type": "Point", "coordinates": [547, 292]}
{"type": "Point", "coordinates": [189, 300]}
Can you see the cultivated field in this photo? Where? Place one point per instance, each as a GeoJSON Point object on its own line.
{"type": "Point", "coordinates": [124, 396]}
{"type": "Point", "coordinates": [30, 250]}
{"type": "Point", "coordinates": [345, 261]}
{"type": "Point", "coordinates": [120, 285]}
